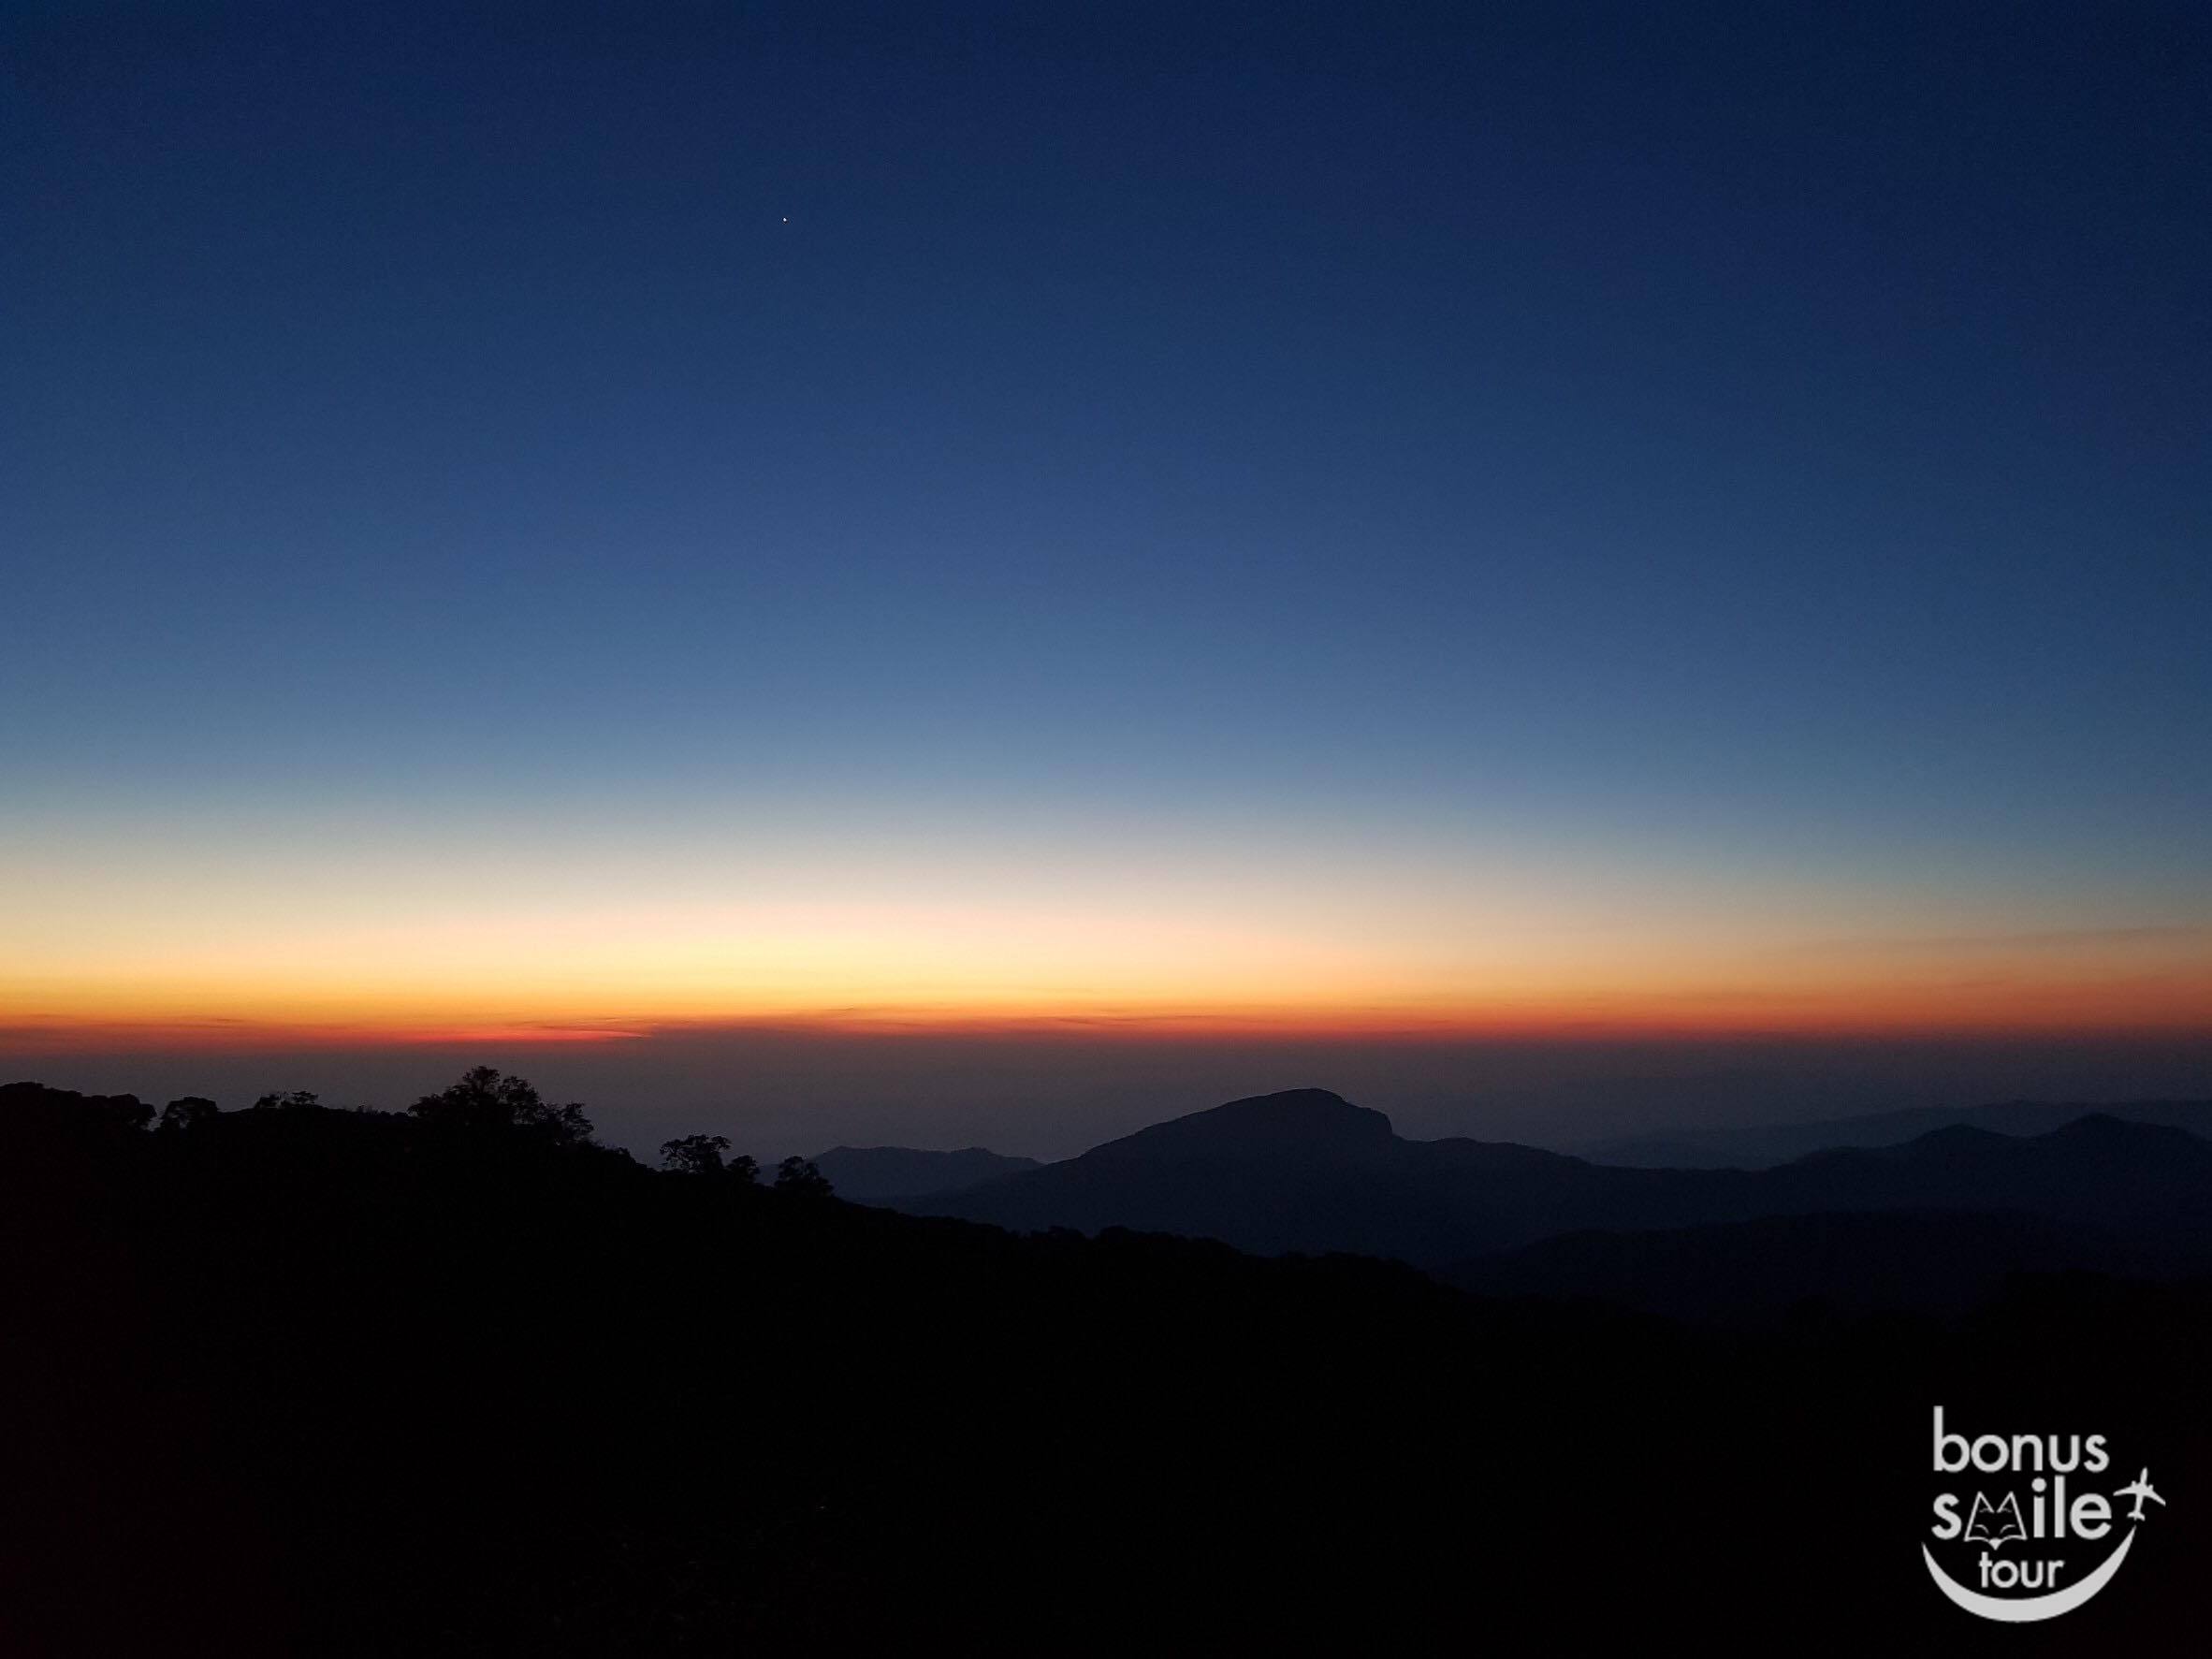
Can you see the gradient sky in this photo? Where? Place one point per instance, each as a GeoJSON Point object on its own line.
{"type": "Point", "coordinates": [1364, 523]}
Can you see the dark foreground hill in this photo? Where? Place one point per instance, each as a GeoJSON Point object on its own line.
{"type": "Point", "coordinates": [297, 1382]}
{"type": "Point", "coordinates": [1939, 1262]}
{"type": "Point", "coordinates": [1309, 1172]}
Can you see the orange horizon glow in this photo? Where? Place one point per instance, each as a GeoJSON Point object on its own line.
{"type": "Point", "coordinates": [2174, 1004]}
{"type": "Point", "coordinates": [389, 945]}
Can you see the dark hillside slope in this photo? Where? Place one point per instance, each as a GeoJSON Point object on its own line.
{"type": "Point", "coordinates": [311, 1382]}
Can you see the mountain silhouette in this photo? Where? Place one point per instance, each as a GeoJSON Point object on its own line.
{"type": "Point", "coordinates": [869, 1174]}
{"type": "Point", "coordinates": [459, 1380]}
{"type": "Point", "coordinates": [1759, 1146]}
{"type": "Point", "coordinates": [1307, 1172]}
{"type": "Point", "coordinates": [1300, 1170]}
{"type": "Point", "coordinates": [1295, 1127]}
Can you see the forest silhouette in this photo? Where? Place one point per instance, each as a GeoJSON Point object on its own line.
{"type": "Point", "coordinates": [294, 1379]}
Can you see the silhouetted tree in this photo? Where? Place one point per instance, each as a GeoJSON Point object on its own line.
{"type": "Point", "coordinates": [742, 1168]}
{"type": "Point", "coordinates": [694, 1155]}
{"type": "Point", "coordinates": [799, 1176]}
{"type": "Point", "coordinates": [35, 1101]}
{"type": "Point", "coordinates": [187, 1114]}
{"type": "Point", "coordinates": [291, 1102]}
{"type": "Point", "coordinates": [484, 1099]}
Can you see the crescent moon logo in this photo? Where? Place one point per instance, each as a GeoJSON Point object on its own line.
{"type": "Point", "coordinates": [2025, 1609]}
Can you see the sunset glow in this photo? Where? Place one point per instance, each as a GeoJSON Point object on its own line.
{"type": "Point", "coordinates": [1142, 556]}
{"type": "Point", "coordinates": [1362, 961]}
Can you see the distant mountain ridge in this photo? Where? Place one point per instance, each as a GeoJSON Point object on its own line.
{"type": "Point", "coordinates": [1762, 1146]}
{"type": "Point", "coordinates": [870, 1174]}
{"type": "Point", "coordinates": [1292, 1127]}
{"type": "Point", "coordinates": [1307, 1172]}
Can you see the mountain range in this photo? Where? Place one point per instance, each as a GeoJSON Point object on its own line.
{"type": "Point", "coordinates": [1306, 1171]}
{"type": "Point", "coordinates": [357, 1383]}
{"type": "Point", "coordinates": [1759, 1146]}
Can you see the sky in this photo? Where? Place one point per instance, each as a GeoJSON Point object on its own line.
{"type": "Point", "coordinates": [1098, 551]}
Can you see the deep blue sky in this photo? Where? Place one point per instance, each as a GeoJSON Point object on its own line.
{"type": "Point", "coordinates": [1328, 384]}
{"type": "Point", "coordinates": [1778, 435]}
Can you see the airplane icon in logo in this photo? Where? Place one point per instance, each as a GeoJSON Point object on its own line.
{"type": "Point", "coordinates": [2139, 1490]}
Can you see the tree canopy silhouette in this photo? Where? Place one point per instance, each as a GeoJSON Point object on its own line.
{"type": "Point", "coordinates": [187, 1113]}
{"type": "Point", "coordinates": [484, 1099]}
{"type": "Point", "coordinates": [695, 1155]}
{"type": "Point", "coordinates": [296, 1100]}
{"type": "Point", "coordinates": [798, 1177]}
